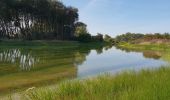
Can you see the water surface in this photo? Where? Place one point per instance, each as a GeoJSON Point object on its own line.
{"type": "Point", "coordinates": [115, 60]}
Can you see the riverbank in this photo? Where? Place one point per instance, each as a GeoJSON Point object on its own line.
{"type": "Point", "coordinates": [49, 44]}
{"type": "Point", "coordinates": [150, 50]}
{"type": "Point", "coordinates": [143, 85]}
{"type": "Point", "coordinates": [144, 46]}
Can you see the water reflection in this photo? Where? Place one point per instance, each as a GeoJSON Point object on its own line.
{"type": "Point", "coordinates": [119, 59]}
{"type": "Point", "coordinates": [79, 58]}
{"type": "Point", "coordinates": [48, 64]}
{"type": "Point", "coordinates": [152, 54]}
{"type": "Point", "coordinates": [14, 56]}
{"type": "Point", "coordinates": [108, 47]}
{"type": "Point", "coordinates": [146, 53]}
{"type": "Point", "coordinates": [51, 64]}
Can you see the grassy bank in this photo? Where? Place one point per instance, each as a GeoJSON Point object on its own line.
{"type": "Point", "coordinates": [151, 49]}
{"type": "Point", "coordinates": [144, 85]}
{"type": "Point", "coordinates": [50, 44]}
{"type": "Point", "coordinates": [36, 43]}
{"type": "Point", "coordinates": [144, 46]}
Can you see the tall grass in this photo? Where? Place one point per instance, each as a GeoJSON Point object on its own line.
{"type": "Point", "coordinates": [143, 85]}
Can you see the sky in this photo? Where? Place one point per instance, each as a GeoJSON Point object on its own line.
{"type": "Point", "coordinates": [116, 17]}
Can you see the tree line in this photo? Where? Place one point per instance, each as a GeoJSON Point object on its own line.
{"type": "Point", "coordinates": [43, 20]}
{"type": "Point", "coordinates": [37, 19]}
{"type": "Point", "coordinates": [82, 35]}
{"type": "Point", "coordinates": [131, 37]}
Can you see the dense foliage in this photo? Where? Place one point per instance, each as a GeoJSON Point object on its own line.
{"type": "Point", "coordinates": [82, 34]}
{"type": "Point", "coordinates": [36, 19]}
{"type": "Point", "coordinates": [128, 37]}
{"type": "Point", "coordinates": [42, 19]}
{"type": "Point", "coordinates": [157, 36]}
{"type": "Point", "coordinates": [131, 37]}
{"type": "Point", "coordinates": [108, 39]}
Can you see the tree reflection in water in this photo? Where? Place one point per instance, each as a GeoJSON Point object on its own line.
{"type": "Point", "coordinates": [25, 60]}
{"type": "Point", "coordinates": [152, 54]}
{"type": "Point", "coordinates": [146, 53]}
{"type": "Point", "coordinates": [19, 66]}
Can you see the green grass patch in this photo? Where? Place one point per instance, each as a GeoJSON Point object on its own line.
{"type": "Point", "coordinates": [144, 46]}
{"type": "Point", "coordinates": [143, 85]}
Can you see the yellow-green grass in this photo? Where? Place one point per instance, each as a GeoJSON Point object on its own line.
{"type": "Point", "coordinates": [163, 49]}
{"type": "Point", "coordinates": [153, 46]}
{"type": "Point", "coordinates": [143, 85]}
{"type": "Point", "coordinates": [45, 72]}
{"type": "Point", "coordinates": [38, 78]}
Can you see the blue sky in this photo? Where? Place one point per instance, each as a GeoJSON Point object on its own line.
{"type": "Point", "coordinates": [115, 17]}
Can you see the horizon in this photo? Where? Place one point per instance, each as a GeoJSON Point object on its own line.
{"type": "Point", "coordinates": [115, 17]}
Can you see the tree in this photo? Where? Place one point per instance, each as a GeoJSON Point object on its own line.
{"type": "Point", "coordinates": [84, 38]}
{"type": "Point", "coordinates": [81, 29]}
{"type": "Point", "coordinates": [99, 36]}
{"type": "Point", "coordinates": [108, 38]}
{"type": "Point", "coordinates": [37, 19]}
{"type": "Point", "coordinates": [81, 32]}
{"type": "Point", "coordinates": [128, 37]}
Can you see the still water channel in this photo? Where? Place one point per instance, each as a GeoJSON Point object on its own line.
{"type": "Point", "coordinates": [36, 66]}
